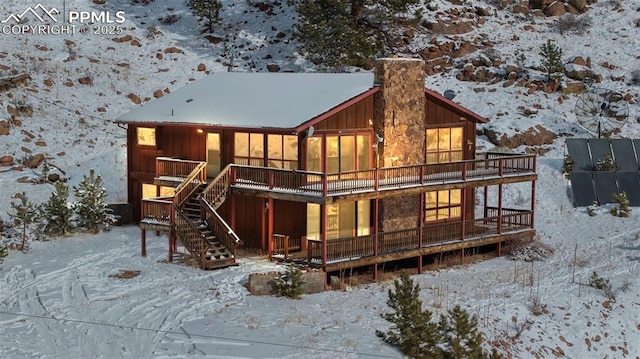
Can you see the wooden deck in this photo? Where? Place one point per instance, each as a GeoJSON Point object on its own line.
{"type": "Point", "coordinates": [321, 188]}
{"type": "Point", "coordinates": [388, 246]}
{"type": "Point", "coordinates": [497, 226]}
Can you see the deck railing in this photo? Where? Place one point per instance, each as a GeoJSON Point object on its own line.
{"type": "Point", "coordinates": [190, 184]}
{"type": "Point", "coordinates": [283, 245]}
{"type": "Point", "coordinates": [216, 192]}
{"type": "Point", "coordinates": [319, 184]}
{"type": "Point", "coordinates": [224, 233]}
{"type": "Point", "coordinates": [158, 210]}
{"type": "Point", "coordinates": [191, 237]}
{"type": "Point", "coordinates": [173, 168]}
{"type": "Point", "coordinates": [344, 249]}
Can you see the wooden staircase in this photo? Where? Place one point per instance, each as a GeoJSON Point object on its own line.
{"type": "Point", "coordinates": [191, 218]}
{"type": "Point", "coordinates": [212, 254]}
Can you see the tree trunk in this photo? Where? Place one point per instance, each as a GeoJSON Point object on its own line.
{"type": "Point", "coordinates": [357, 8]}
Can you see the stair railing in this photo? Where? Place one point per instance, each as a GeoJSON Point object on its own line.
{"type": "Point", "coordinates": [216, 192]}
{"type": "Point", "coordinates": [191, 183]}
{"type": "Point", "coordinates": [191, 237]}
{"type": "Point", "coordinates": [224, 233]}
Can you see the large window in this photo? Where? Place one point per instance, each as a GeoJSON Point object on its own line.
{"type": "Point", "coordinates": [151, 190]}
{"type": "Point", "coordinates": [344, 220]}
{"type": "Point", "coordinates": [444, 204]}
{"type": "Point", "coordinates": [344, 153]}
{"type": "Point", "coordinates": [444, 145]}
{"type": "Point", "coordinates": [281, 150]}
{"type": "Point", "coordinates": [146, 136]}
{"type": "Point", "coordinates": [249, 149]}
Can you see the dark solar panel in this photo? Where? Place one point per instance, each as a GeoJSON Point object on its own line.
{"type": "Point", "coordinates": [582, 188]}
{"type": "Point", "coordinates": [579, 151]}
{"type": "Point", "coordinates": [605, 184]}
{"type": "Point", "coordinates": [636, 145]}
{"type": "Point", "coordinates": [599, 148]}
{"type": "Point", "coordinates": [630, 182]}
{"type": "Point", "coordinates": [624, 155]}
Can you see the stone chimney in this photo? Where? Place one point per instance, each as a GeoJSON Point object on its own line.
{"type": "Point", "coordinates": [399, 111]}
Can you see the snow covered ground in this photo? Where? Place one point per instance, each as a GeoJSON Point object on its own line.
{"type": "Point", "coordinates": [59, 300]}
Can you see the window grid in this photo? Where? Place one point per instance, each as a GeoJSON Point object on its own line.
{"type": "Point", "coordinates": [444, 145]}
{"type": "Point", "coordinates": [445, 204]}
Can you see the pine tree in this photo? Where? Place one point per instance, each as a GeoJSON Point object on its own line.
{"type": "Point", "coordinates": [337, 33]}
{"type": "Point", "coordinates": [290, 283]}
{"type": "Point", "coordinates": [24, 214]}
{"type": "Point", "coordinates": [412, 331]}
{"type": "Point", "coordinates": [623, 208]}
{"type": "Point", "coordinates": [208, 9]}
{"type": "Point", "coordinates": [552, 60]}
{"type": "Point", "coordinates": [56, 211]}
{"type": "Point", "coordinates": [461, 338]}
{"type": "Point", "coordinates": [91, 209]}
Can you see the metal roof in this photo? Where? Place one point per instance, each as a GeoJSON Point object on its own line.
{"type": "Point", "coordinates": [253, 100]}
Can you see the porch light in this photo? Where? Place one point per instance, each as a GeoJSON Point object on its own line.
{"type": "Point", "coordinates": [200, 130]}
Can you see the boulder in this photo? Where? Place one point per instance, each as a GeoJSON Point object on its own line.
{"type": "Point", "coordinates": [577, 72]}
{"type": "Point", "coordinates": [173, 50]}
{"type": "Point", "coordinates": [35, 160]}
{"type": "Point", "coordinates": [533, 136]}
{"type": "Point", "coordinates": [6, 161]}
{"type": "Point", "coordinates": [555, 9]}
{"type": "Point", "coordinates": [273, 68]}
{"type": "Point", "coordinates": [134, 98]}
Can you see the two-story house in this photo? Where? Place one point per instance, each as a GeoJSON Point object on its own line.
{"type": "Point", "coordinates": [334, 170]}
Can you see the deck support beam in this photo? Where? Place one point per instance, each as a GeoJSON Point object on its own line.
{"type": "Point", "coordinates": [270, 226]}
{"type": "Point", "coordinates": [323, 232]}
{"type": "Point", "coordinates": [143, 242]}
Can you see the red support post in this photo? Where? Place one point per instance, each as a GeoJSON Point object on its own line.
{"type": "Point", "coordinates": [143, 240]}
{"type": "Point", "coordinates": [463, 214]}
{"type": "Point", "coordinates": [500, 208]}
{"type": "Point", "coordinates": [171, 246]}
{"type": "Point", "coordinates": [323, 232]}
{"type": "Point", "coordinates": [233, 212]}
{"type": "Point", "coordinates": [270, 226]}
{"type": "Point", "coordinates": [376, 227]}
{"type": "Point", "coordinates": [533, 202]}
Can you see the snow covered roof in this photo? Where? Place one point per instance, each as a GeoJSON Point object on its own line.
{"type": "Point", "coordinates": [253, 100]}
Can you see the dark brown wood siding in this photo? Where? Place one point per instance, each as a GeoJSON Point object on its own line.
{"type": "Point", "coordinates": [437, 115]}
{"type": "Point", "coordinates": [356, 116]}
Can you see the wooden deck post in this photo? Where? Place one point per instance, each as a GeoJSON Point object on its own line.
{"type": "Point", "coordinates": [376, 229]}
{"type": "Point", "coordinates": [533, 202]}
{"type": "Point", "coordinates": [143, 241]}
{"type": "Point", "coordinates": [270, 226]}
{"type": "Point", "coordinates": [233, 212]}
{"type": "Point", "coordinates": [263, 227]}
{"type": "Point", "coordinates": [420, 226]}
{"type": "Point", "coordinates": [500, 208]}
{"type": "Point", "coordinates": [463, 213]}
{"type": "Point", "coordinates": [323, 232]}
{"type": "Point", "coordinates": [171, 246]}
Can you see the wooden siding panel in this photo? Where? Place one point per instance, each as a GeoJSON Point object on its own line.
{"type": "Point", "coordinates": [249, 211]}
{"type": "Point", "coordinates": [290, 218]}
{"type": "Point", "coordinates": [353, 117]}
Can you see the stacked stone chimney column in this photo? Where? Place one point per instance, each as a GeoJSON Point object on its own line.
{"type": "Point", "coordinates": [399, 122]}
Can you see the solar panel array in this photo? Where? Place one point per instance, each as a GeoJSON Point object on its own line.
{"type": "Point", "coordinates": [589, 185]}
